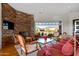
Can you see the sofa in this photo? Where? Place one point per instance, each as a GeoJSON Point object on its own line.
{"type": "Point", "coordinates": [61, 48]}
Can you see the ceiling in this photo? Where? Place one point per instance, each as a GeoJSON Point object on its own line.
{"type": "Point", "coordinates": [46, 11]}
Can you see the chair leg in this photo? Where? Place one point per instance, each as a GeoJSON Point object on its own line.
{"type": "Point", "coordinates": [36, 45]}
{"type": "Point", "coordinates": [21, 51]}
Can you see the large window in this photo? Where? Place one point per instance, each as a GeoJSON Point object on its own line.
{"type": "Point", "coordinates": [48, 27]}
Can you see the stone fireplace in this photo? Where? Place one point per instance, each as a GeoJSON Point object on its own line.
{"type": "Point", "coordinates": [23, 22]}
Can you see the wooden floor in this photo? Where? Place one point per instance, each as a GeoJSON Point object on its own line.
{"type": "Point", "coordinates": [9, 51]}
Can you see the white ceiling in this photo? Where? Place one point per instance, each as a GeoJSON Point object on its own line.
{"type": "Point", "coordinates": [46, 11]}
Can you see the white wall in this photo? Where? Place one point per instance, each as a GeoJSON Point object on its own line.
{"type": "Point", "coordinates": [0, 28]}
{"type": "Point", "coordinates": [68, 22]}
{"type": "Point", "coordinates": [65, 22]}
{"type": "Point", "coordinates": [72, 16]}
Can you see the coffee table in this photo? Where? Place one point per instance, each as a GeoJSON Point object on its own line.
{"type": "Point", "coordinates": [41, 42]}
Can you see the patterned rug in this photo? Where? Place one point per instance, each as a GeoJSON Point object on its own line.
{"type": "Point", "coordinates": [31, 49]}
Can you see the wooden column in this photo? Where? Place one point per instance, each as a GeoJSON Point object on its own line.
{"type": "Point", "coordinates": [74, 45]}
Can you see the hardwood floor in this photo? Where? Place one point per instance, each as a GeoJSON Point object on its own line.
{"type": "Point", "coordinates": [9, 51]}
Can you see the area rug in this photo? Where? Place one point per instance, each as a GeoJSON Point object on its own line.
{"type": "Point", "coordinates": [31, 49]}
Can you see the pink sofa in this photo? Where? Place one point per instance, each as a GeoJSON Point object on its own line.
{"type": "Point", "coordinates": [63, 48]}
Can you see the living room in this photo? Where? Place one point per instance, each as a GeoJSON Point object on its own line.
{"type": "Point", "coordinates": [37, 21]}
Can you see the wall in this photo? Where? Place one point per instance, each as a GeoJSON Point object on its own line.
{"type": "Point", "coordinates": [0, 28]}
{"type": "Point", "coordinates": [72, 16]}
{"type": "Point", "coordinates": [23, 22]}
{"type": "Point", "coordinates": [67, 20]}
{"type": "Point", "coordinates": [65, 23]}
{"type": "Point", "coordinates": [8, 14]}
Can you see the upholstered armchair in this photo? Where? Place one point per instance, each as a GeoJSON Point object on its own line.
{"type": "Point", "coordinates": [25, 48]}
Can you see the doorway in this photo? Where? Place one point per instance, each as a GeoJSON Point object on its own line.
{"type": "Point", "coordinates": [76, 27]}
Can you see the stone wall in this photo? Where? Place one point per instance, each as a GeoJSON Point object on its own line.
{"type": "Point", "coordinates": [23, 22]}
